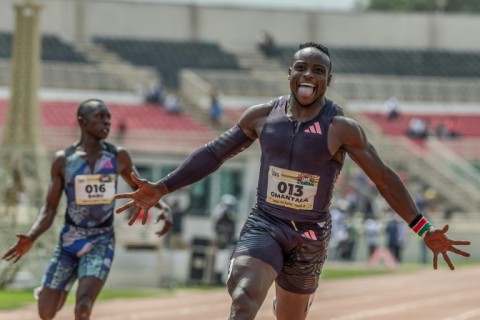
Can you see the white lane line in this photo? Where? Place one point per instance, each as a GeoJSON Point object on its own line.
{"type": "Point", "coordinates": [367, 314]}
{"type": "Point", "coordinates": [466, 315]}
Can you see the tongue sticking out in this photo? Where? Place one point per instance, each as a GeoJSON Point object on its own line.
{"type": "Point", "coordinates": [305, 91]}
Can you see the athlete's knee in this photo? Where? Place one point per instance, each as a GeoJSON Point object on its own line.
{"type": "Point", "coordinates": [46, 313]}
{"type": "Point", "coordinates": [244, 304]}
{"type": "Point", "coordinates": [248, 283]}
{"type": "Point", "coordinates": [310, 301]}
{"type": "Point", "coordinates": [247, 298]}
{"type": "Point", "coordinates": [291, 306]}
{"type": "Point", "coordinates": [46, 309]}
{"type": "Point", "coordinates": [83, 308]}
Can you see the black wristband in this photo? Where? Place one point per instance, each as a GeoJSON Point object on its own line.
{"type": "Point", "coordinates": [415, 220]}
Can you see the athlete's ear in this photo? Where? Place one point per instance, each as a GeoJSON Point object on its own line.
{"type": "Point", "coordinates": [289, 73]}
{"type": "Point", "coordinates": [329, 79]}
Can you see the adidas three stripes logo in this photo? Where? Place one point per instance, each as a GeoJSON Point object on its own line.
{"type": "Point", "coordinates": [309, 235]}
{"type": "Point", "coordinates": [314, 128]}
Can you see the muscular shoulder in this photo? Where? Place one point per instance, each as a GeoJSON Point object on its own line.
{"type": "Point", "coordinates": [122, 153]}
{"type": "Point", "coordinates": [58, 163]}
{"type": "Point", "coordinates": [255, 112]}
{"type": "Point", "coordinates": [253, 118]}
{"type": "Point", "coordinates": [342, 122]}
{"type": "Point", "coordinates": [346, 131]}
{"type": "Point", "coordinates": [124, 159]}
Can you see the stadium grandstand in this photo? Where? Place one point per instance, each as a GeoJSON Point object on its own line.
{"type": "Point", "coordinates": [191, 49]}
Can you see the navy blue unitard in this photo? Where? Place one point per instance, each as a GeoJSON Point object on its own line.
{"type": "Point", "coordinates": [290, 225]}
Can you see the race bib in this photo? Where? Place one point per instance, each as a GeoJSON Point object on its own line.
{"type": "Point", "coordinates": [291, 189]}
{"type": "Point", "coordinates": [93, 189]}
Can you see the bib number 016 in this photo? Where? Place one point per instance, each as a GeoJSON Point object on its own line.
{"type": "Point", "coordinates": [95, 188]}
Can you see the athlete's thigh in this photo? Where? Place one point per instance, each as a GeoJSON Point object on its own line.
{"type": "Point", "coordinates": [289, 305]}
{"type": "Point", "coordinates": [250, 275]}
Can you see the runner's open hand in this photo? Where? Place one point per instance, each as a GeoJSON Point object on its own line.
{"type": "Point", "coordinates": [146, 196]}
{"type": "Point", "coordinates": [16, 251]}
{"type": "Point", "coordinates": [438, 242]}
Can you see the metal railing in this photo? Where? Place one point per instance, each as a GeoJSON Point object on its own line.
{"type": "Point", "coordinates": [381, 88]}
{"type": "Point", "coordinates": [76, 76]}
{"type": "Point", "coordinates": [462, 168]}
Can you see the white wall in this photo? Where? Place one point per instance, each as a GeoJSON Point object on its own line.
{"type": "Point", "coordinates": [237, 28]}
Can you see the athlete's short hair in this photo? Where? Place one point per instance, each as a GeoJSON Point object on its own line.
{"type": "Point", "coordinates": [318, 46]}
{"type": "Point", "coordinates": [85, 105]}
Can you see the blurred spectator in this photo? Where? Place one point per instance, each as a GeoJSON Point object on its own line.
{"type": "Point", "coordinates": [380, 207]}
{"type": "Point", "coordinates": [372, 235]}
{"type": "Point", "coordinates": [365, 192]}
{"type": "Point", "coordinates": [418, 128]}
{"type": "Point", "coordinates": [351, 196]}
{"type": "Point", "coordinates": [396, 236]}
{"type": "Point", "coordinates": [451, 126]}
{"type": "Point", "coordinates": [266, 44]}
{"type": "Point", "coordinates": [418, 196]}
{"type": "Point", "coordinates": [343, 237]}
{"type": "Point", "coordinates": [339, 230]}
{"type": "Point", "coordinates": [447, 129]}
{"type": "Point", "coordinates": [216, 110]}
{"type": "Point", "coordinates": [391, 109]}
{"type": "Point", "coordinates": [351, 241]}
{"type": "Point", "coordinates": [224, 217]}
{"type": "Point", "coordinates": [174, 238]}
{"type": "Point", "coordinates": [155, 94]}
{"type": "Point", "coordinates": [172, 104]}
{"type": "Point", "coordinates": [431, 197]}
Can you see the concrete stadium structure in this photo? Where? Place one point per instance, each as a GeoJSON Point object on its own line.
{"type": "Point", "coordinates": [235, 27]}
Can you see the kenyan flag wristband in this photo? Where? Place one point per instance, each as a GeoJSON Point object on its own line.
{"type": "Point", "coordinates": [420, 225]}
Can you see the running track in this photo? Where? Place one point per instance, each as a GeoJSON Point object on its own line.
{"type": "Point", "coordinates": [424, 295]}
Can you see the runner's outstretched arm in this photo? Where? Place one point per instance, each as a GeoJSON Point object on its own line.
{"type": "Point", "coordinates": [197, 166]}
{"type": "Point", "coordinates": [351, 137]}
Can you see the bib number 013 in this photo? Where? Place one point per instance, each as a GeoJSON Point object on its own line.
{"type": "Point", "coordinates": [291, 189]}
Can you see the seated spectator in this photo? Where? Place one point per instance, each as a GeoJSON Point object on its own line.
{"type": "Point", "coordinates": [266, 44]}
{"type": "Point", "coordinates": [155, 94]}
{"type": "Point", "coordinates": [391, 109]}
{"type": "Point", "coordinates": [216, 110]}
{"type": "Point", "coordinates": [418, 128]}
{"type": "Point", "coordinates": [447, 129]}
{"type": "Point", "coordinates": [172, 103]}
